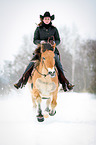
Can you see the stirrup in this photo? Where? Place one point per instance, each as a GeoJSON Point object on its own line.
{"type": "Point", "coordinates": [16, 86]}
{"type": "Point", "coordinates": [70, 86]}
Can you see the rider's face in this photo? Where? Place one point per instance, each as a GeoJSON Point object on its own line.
{"type": "Point", "coordinates": [47, 20]}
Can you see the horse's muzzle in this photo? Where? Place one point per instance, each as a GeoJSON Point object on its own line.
{"type": "Point", "coordinates": [52, 72]}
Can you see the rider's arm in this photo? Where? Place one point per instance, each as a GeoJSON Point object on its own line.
{"type": "Point", "coordinates": [36, 39]}
{"type": "Point", "coordinates": [57, 37]}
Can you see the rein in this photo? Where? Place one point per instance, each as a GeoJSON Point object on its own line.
{"type": "Point", "coordinates": [44, 64]}
{"type": "Point", "coordinates": [45, 68]}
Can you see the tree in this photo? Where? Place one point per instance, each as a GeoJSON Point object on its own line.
{"type": "Point", "coordinates": [14, 70]}
{"type": "Point", "coordinates": [71, 43]}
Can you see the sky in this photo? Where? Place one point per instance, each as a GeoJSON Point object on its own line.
{"type": "Point", "coordinates": [19, 18]}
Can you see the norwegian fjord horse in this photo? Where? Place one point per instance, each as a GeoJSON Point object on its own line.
{"type": "Point", "coordinates": [44, 81]}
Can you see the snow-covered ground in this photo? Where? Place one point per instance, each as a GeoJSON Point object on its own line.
{"type": "Point", "coordinates": [73, 124]}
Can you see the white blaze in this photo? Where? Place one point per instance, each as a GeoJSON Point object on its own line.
{"type": "Point", "coordinates": [52, 70]}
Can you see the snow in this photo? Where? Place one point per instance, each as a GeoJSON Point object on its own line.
{"type": "Point", "coordinates": [73, 124]}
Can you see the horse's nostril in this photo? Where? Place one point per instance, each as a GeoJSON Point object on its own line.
{"type": "Point", "coordinates": [50, 72]}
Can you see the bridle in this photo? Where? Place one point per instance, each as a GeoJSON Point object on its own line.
{"type": "Point", "coordinates": [45, 68]}
{"type": "Point", "coordinates": [43, 60]}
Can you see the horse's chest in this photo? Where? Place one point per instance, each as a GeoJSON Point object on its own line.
{"type": "Point", "coordinates": [45, 87]}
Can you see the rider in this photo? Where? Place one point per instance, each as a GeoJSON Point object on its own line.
{"type": "Point", "coordinates": [45, 30]}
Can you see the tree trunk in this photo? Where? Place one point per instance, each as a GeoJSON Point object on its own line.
{"type": "Point", "coordinates": [73, 68]}
{"type": "Point", "coordinates": [73, 62]}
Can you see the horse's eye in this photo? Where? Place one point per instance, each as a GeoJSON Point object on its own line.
{"type": "Point", "coordinates": [43, 58]}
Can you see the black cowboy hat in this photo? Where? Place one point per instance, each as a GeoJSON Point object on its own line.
{"type": "Point", "coordinates": [47, 14]}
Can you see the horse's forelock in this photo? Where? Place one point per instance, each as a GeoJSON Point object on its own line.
{"type": "Point", "coordinates": [47, 46]}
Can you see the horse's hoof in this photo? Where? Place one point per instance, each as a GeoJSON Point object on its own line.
{"type": "Point", "coordinates": [46, 115]}
{"type": "Point", "coordinates": [40, 119]}
{"type": "Point", "coordinates": [52, 113]}
{"type": "Point", "coordinates": [47, 109]}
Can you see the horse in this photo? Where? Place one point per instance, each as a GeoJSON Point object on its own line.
{"type": "Point", "coordinates": [44, 81]}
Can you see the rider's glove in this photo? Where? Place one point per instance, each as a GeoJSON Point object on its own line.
{"type": "Point", "coordinates": [42, 42]}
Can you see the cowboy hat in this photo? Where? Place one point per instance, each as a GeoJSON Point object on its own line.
{"type": "Point", "coordinates": [47, 14]}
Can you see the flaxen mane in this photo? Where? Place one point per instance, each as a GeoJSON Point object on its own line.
{"type": "Point", "coordinates": [44, 46]}
{"type": "Point", "coordinates": [47, 46]}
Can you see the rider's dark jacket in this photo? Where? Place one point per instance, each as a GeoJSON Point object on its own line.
{"type": "Point", "coordinates": [43, 32]}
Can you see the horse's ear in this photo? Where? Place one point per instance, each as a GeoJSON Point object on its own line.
{"type": "Point", "coordinates": [54, 45]}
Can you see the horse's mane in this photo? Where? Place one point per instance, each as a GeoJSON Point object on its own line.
{"type": "Point", "coordinates": [44, 46]}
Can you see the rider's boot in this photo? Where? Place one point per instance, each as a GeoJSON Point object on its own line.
{"type": "Point", "coordinates": [65, 83]}
{"type": "Point", "coordinates": [18, 85]}
{"type": "Point", "coordinates": [23, 80]}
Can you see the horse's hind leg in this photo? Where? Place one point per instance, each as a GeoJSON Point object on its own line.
{"type": "Point", "coordinates": [47, 104]}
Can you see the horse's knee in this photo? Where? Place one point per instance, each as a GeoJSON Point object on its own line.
{"type": "Point", "coordinates": [53, 104]}
{"type": "Point", "coordinates": [34, 102]}
{"type": "Point", "coordinates": [37, 96]}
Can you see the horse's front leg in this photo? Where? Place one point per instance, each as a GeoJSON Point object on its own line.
{"type": "Point", "coordinates": [47, 110]}
{"type": "Point", "coordinates": [53, 105]}
{"type": "Point", "coordinates": [40, 116]}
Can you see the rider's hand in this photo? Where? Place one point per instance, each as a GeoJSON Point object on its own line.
{"type": "Point", "coordinates": [42, 42]}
